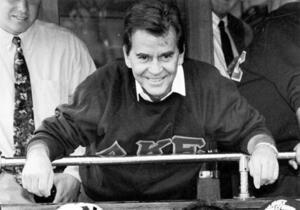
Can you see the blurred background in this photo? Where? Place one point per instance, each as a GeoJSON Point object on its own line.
{"type": "Point", "coordinates": [99, 22]}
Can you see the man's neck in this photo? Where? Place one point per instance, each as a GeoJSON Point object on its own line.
{"type": "Point", "coordinates": [156, 98]}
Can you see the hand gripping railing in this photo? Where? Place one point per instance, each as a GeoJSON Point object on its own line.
{"type": "Point", "coordinates": [242, 158]}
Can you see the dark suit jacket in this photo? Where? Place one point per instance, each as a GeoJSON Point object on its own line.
{"type": "Point", "coordinates": [271, 80]}
{"type": "Point", "coordinates": [240, 34]}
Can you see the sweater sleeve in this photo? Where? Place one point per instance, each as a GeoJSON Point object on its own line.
{"type": "Point", "coordinates": [274, 55]}
{"type": "Point", "coordinates": [232, 121]}
{"type": "Point", "coordinates": [74, 124]}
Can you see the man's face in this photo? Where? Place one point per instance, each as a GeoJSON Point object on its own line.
{"type": "Point", "coordinates": [16, 16]}
{"type": "Point", "coordinates": [154, 61]}
{"type": "Point", "coordinates": [222, 7]}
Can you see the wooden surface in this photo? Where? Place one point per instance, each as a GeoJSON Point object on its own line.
{"type": "Point", "coordinates": [199, 36]}
{"type": "Point", "coordinates": [250, 204]}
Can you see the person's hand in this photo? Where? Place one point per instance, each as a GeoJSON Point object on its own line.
{"type": "Point", "coordinates": [67, 188]}
{"type": "Point", "coordinates": [37, 175]}
{"type": "Point", "coordinates": [294, 162]}
{"type": "Point", "coordinates": [263, 165]}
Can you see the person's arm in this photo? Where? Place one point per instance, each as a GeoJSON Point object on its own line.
{"type": "Point", "coordinates": [73, 125]}
{"type": "Point", "coordinates": [235, 124]}
{"type": "Point", "coordinates": [274, 55]}
{"type": "Point", "coordinates": [37, 174]}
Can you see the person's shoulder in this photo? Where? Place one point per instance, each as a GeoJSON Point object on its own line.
{"type": "Point", "coordinates": [288, 14]}
{"type": "Point", "coordinates": [286, 10]}
{"type": "Point", "coordinates": [199, 70]}
{"type": "Point", "coordinates": [240, 30]}
{"type": "Point", "coordinates": [233, 19]}
{"type": "Point", "coordinates": [52, 31]}
{"type": "Point", "coordinates": [204, 76]}
{"type": "Point", "coordinates": [112, 75]}
{"type": "Point", "coordinates": [113, 70]}
{"type": "Point", "coordinates": [53, 27]}
{"type": "Point", "coordinates": [236, 24]}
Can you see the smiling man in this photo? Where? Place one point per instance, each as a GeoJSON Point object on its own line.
{"type": "Point", "coordinates": [154, 103]}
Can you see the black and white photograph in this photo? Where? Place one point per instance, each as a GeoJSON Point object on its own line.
{"type": "Point", "coordinates": [150, 104]}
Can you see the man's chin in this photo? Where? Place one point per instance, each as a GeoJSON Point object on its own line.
{"type": "Point", "coordinates": [156, 96]}
{"type": "Point", "coordinates": [156, 93]}
{"type": "Point", "coordinates": [18, 30]}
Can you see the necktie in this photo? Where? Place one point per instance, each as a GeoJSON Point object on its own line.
{"type": "Point", "coordinates": [23, 112]}
{"type": "Point", "coordinates": [226, 46]}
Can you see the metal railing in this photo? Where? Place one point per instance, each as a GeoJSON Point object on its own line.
{"type": "Point", "coordinates": [241, 158]}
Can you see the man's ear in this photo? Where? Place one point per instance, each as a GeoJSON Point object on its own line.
{"type": "Point", "coordinates": [181, 57]}
{"type": "Point", "coordinates": [127, 60]}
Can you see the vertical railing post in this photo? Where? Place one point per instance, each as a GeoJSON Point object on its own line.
{"type": "Point", "coordinates": [244, 169]}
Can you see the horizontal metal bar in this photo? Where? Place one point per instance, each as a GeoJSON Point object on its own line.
{"type": "Point", "coordinates": [139, 159]}
{"type": "Point", "coordinates": [129, 160]}
{"type": "Point", "coordinates": [286, 155]}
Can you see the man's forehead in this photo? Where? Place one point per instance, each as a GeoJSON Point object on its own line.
{"type": "Point", "coordinates": [170, 33]}
{"type": "Point", "coordinates": [145, 40]}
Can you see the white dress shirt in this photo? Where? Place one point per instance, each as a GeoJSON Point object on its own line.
{"type": "Point", "coordinates": [219, 60]}
{"type": "Point", "coordinates": [57, 62]}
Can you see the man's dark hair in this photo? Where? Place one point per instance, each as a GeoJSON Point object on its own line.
{"type": "Point", "coordinates": [155, 17]}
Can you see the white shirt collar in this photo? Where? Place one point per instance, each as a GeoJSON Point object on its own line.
{"type": "Point", "coordinates": [178, 86]}
{"type": "Point", "coordinates": [216, 20]}
{"type": "Point", "coordinates": [5, 38]}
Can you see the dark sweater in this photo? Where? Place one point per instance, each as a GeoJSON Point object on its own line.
{"type": "Point", "coordinates": [271, 81]}
{"type": "Point", "coordinates": [106, 117]}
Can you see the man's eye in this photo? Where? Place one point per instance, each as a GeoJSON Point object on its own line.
{"type": "Point", "coordinates": [143, 57]}
{"type": "Point", "coordinates": [166, 57]}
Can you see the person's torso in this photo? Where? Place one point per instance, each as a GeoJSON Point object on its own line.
{"type": "Point", "coordinates": [49, 61]}
{"type": "Point", "coordinates": [176, 125]}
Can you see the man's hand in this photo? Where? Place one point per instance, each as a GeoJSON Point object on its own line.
{"type": "Point", "coordinates": [67, 188]}
{"type": "Point", "coordinates": [263, 165]}
{"type": "Point", "coordinates": [37, 175]}
{"type": "Point", "coordinates": [294, 162]}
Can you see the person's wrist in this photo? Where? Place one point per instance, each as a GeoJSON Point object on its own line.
{"type": "Point", "coordinates": [268, 145]}
{"type": "Point", "coordinates": [37, 148]}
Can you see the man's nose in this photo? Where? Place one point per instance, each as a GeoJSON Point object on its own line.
{"type": "Point", "coordinates": [23, 5]}
{"type": "Point", "coordinates": [155, 67]}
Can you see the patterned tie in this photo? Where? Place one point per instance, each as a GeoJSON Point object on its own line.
{"type": "Point", "coordinates": [23, 113]}
{"type": "Point", "coordinates": [226, 46]}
